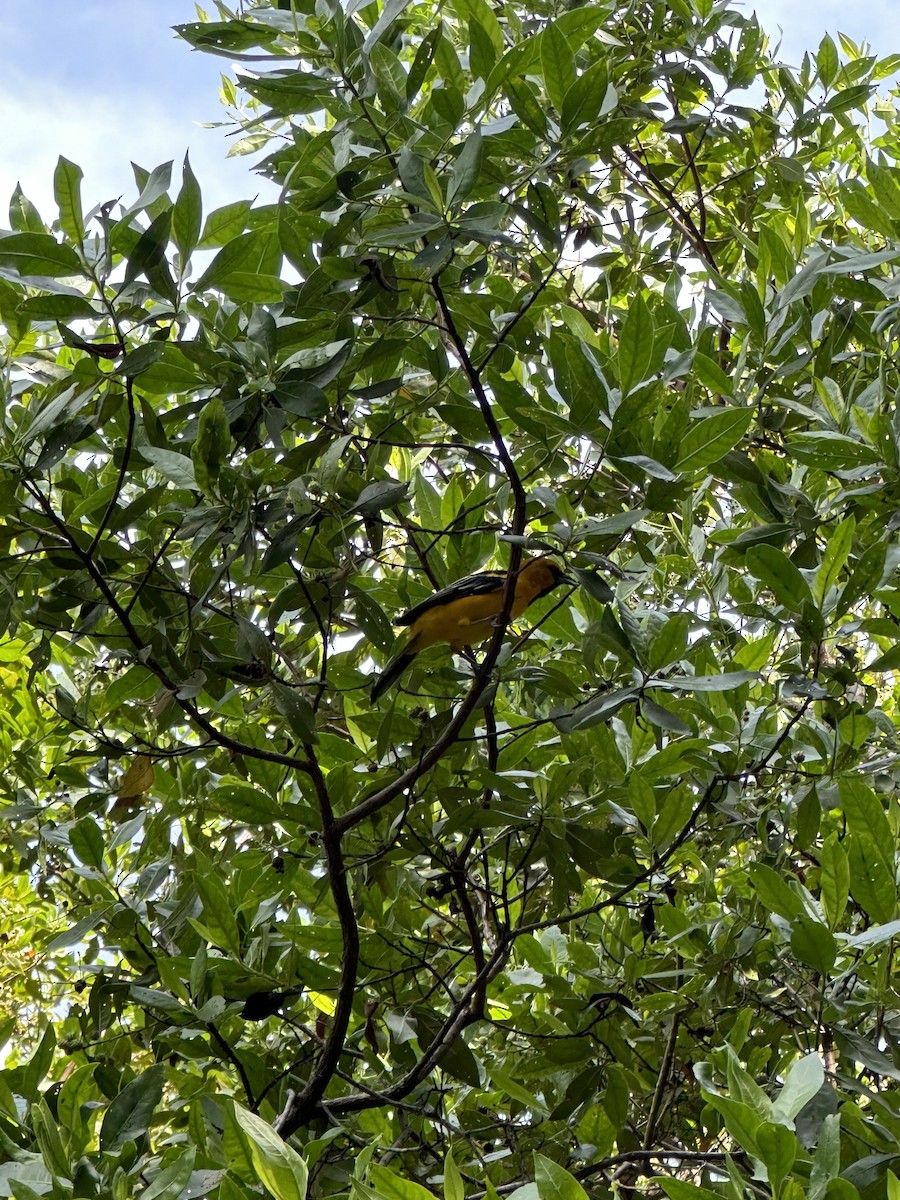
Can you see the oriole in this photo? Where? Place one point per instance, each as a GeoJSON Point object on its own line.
{"type": "Point", "coordinates": [466, 612]}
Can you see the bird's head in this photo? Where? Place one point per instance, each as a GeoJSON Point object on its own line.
{"type": "Point", "coordinates": [550, 573]}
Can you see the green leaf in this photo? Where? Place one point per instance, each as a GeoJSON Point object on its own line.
{"type": "Point", "coordinates": [557, 64]}
{"type": "Point", "coordinates": [864, 810]}
{"type": "Point", "coordinates": [864, 210]}
{"type": "Point", "coordinates": [187, 213]}
{"type": "Point", "coordinates": [837, 551]}
{"type": "Point", "coordinates": [682, 1189]}
{"type": "Point", "coordinates": [619, 522]}
{"type": "Point", "coordinates": [865, 577]}
{"type": "Point", "coordinates": [827, 1158]}
{"type": "Point", "coordinates": [777, 1149]}
{"type": "Point", "coordinates": [390, 10]}
{"type": "Point", "coordinates": [245, 803]}
{"type": "Point", "coordinates": [889, 661]}
{"type": "Point", "coordinates": [55, 411]}
{"type": "Point", "coordinates": [504, 1083]}
{"type": "Point", "coordinates": [224, 224]}
{"type": "Point", "coordinates": [710, 438]}
{"type": "Point", "coordinates": [381, 495]}
{"type": "Point", "coordinates": [712, 376]}
{"type": "Point", "coordinates": [87, 841]}
{"type": "Point", "coordinates": [130, 1114]}
{"type": "Point", "coordinates": [465, 169]}
{"type": "Point", "coordinates": [292, 91]}
{"type": "Point", "coordinates": [774, 569]}
{"type": "Point", "coordinates": [411, 169]}
{"type": "Point", "coordinates": [227, 37]}
{"type": "Point", "coordinates": [454, 1188]}
{"type": "Point", "coordinates": [56, 308]}
{"type": "Point", "coordinates": [827, 62]}
{"type": "Point", "coordinates": [171, 1181]}
{"type": "Point", "coordinates": [246, 269]}
{"type": "Point", "coordinates": [589, 98]}
{"type": "Point", "coordinates": [829, 451]}
{"type": "Point", "coordinates": [814, 944]}
{"type": "Point", "coordinates": [726, 682]}
{"type": "Point", "coordinates": [211, 444]}
{"type": "Point", "coordinates": [150, 251]}
{"type": "Point", "coordinates": [775, 257]}
{"type": "Point", "coordinates": [154, 998]}
{"type": "Point", "coordinates": [834, 879]}
{"type": "Point", "coordinates": [849, 98]}
{"type": "Point", "coordinates": [391, 1186]}
{"type": "Point", "coordinates": [47, 1133]}
{"type": "Point", "coordinates": [277, 1165]}
{"type": "Point", "coordinates": [390, 74]}
{"type": "Point", "coordinates": [803, 1080]}
{"type": "Point", "coordinates": [861, 1050]}
{"type": "Point", "coordinates": [871, 876]}
{"type": "Point", "coordinates": [76, 933]}
{"type": "Point", "coordinates": [526, 105]}
{"type": "Point", "coordinates": [555, 1182]}
{"type": "Point", "coordinates": [875, 935]}
{"type": "Point", "coordinates": [67, 191]}
{"type": "Point", "coordinates": [740, 1119]}
{"type": "Point", "coordinates": [885, 187]}
{"type": "Point", "coordinates": [596, 711]}
{"type": "Point", "coordinates": [635, 345]}
{"type": "Point", "coordinates": [176, 467]}
{"type": "Point", "coordinates": [154, 186]}
{"type": "Point", "coordinates": [23, 216]}
{"type": "Point", "coordinates": [218, 914]}
{"type": "Point", "coordinates": [774, 892]}
{"type": "Point", "coordinates": [39, 1064]}
{"type": "Point", "coordinates": [38, 254]}
{"type": "Point", "coordinates": [418, 72]}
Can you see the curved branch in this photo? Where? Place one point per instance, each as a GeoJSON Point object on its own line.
{"type": "Point", "coordinates": [461, 1016]}
{"type": "Point", "coordinates": [301, 1105]}
{"type": "Point", "coordinates": [375, 802]}
{"type": "Point", "coordinates": [144, 649]}
{"type": "Point", "coordinates": [677, 212]}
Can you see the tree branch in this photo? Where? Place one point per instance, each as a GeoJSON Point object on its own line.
{"type": "Point", "coordinates": [301, 1105]}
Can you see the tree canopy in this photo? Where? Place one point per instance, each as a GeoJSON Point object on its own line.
{"type": "Point", "coordinates": [605, 907]}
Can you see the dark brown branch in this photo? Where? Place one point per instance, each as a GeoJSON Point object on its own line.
{"type": "Point", "coordinates": [232, 1057]}
{"type": "Point", "coordinates": [633, 1156]}
{"type": "Point", "coordinates": [461, 1016]}
{"type": "Point", "coordinates": [677, 212]}
{"type": "Point", "coordinates": [532, 298]}
{"type": "Point", "coordinates": [144, 649]}
{"type": "Point", "coordinates": [375, 802]}
{"type": "Point", "coordinates": [301, 1105]}
{"type": "Point", "coordinates": [716, 783]}
{"type": "Point", "coordinates": [662, 1083]}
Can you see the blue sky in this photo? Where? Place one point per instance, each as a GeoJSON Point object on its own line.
{"type": "Point", "coordinates": [107, 81]}
{"type": "Point", "coordinates": [804, 24]}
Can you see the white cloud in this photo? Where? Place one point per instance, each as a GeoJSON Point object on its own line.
{"type": "Point", "coordinates": [105, 84]}
{"type": "Point", "coordinates": [46, 121]}
{"type": "Point", "coordinates": [45, 124]}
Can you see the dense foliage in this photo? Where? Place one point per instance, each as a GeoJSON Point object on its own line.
{"type": "Point", "coordinates": [609, 904]}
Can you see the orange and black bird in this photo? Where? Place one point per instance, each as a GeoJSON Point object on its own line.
{"type": "Point", "coordinates": [465, 613]}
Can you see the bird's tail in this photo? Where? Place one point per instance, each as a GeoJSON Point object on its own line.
{"type": "Point", "coordinates": [392, 673]}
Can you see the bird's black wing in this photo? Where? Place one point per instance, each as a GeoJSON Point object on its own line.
{"type": "Point", "coordinates": [481, 584]}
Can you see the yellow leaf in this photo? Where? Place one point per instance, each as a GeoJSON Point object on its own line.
{"type": "Point", "coordinates": [137, 779]}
